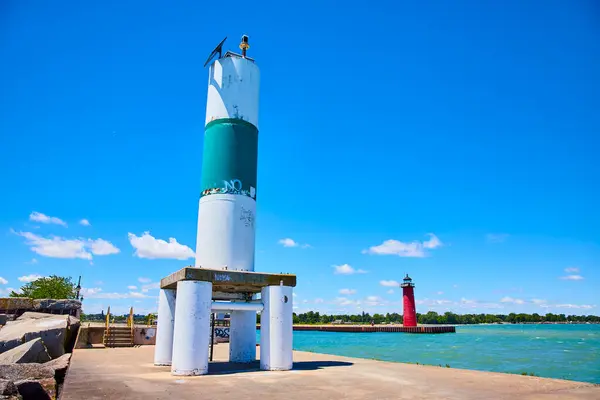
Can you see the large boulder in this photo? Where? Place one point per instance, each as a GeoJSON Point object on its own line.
{"type": "Point", "coordinates": [3, 319]}
{"type": "Point", "coordinates": [19, 372]}
{"type": "Point", "coordinates": [33, 381]}
{"type": "Point", "coordinates": [54, 330]}
{"type": "Point", "coordinates": [37, 389]}
{"type": "Point", "coordinates": [60, 366]}
{"type": "Point", "coordinates": [37, 315]}
{"type": "Point", "coordinates": [56, 305]}
{"type": "Point", "coordinates": [33, 351]}
{"type": "Point", "coordinates": [10, 305]}
{"type": "Point", "coordinates": [7, 388]}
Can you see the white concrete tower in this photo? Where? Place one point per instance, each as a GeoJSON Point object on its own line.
{"type": "Point", "coordinates": [227, 209]}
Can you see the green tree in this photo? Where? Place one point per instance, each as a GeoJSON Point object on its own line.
{"type": "Point", "coordinates": [52, 287]}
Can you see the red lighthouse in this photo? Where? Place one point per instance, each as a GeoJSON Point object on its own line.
{"type": "Point", "coordinates": [408, 297]}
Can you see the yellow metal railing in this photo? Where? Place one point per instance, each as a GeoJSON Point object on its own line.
{"type": "Point", "coordinates": [130, 323]}
{"type": "Point", "coordinates": [150, 320]}
{"type": "Point", "coordinates": [107, 324]}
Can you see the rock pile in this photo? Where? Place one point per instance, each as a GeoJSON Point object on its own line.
{"type": "Point", "coordinates": [33, 355]}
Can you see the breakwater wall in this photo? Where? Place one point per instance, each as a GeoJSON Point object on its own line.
{"type": "Point", "coordinates": [384, 328]}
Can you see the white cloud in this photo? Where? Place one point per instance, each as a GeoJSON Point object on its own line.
{"type": "Point", "coordinates": [389, 283]}
{"type": "Point", "coordinates": [101, 247]}
{"type": "Point", "coordinates": [373, 300]}
{"type": "Point", "coordinates": [288, 242]}
{"type": "Point", "coordinates": [344, 301]}
{"type": "Point", "coordinates": [434, 303]}
{"type": "Point", "coordinates": [3, 281]}
{"type": "Point", "coordinates": [391, 291]}
{"type": "Point", "coordinates": [496, 237]}
{"type": "Point", "coordinates": [84, 222]}
{"type": "Point", "coordinates": [138, 295]}
{"type": "Point", "coordinates": [348, 291]}
{"type": "Point", "coordinates": [29, 278]}
{"type": "Point", "coordinates": [58, 247]}
{"type": "Point", "coordinates": [144, 280]}
{"type": "Point", "coordinates": [402, 249]}
{"type": "Point", "coordinates": [440, 293]}
{"type": "Point", "coordinates": [33, 261]}
{"type": "Point", "coordinates": [87, 292]}
{"type": "Point", "coordinates": [132, 287]}
{"type": "Point", "coordinates": [346, 269]}
{"type": "Point", "coordinates": [538, 301]}
{"type": "Point", "coordinates": [433, 243]}
{"type": "Point", "coordinates": [467, 301]}
{"type": "Point", "coordinates": [97, 293]}
{"type": "Point", "coordinates": [582, 306]}
{"type": "Point", "coordinates": [511, 300]}
{"type": "Point", "coordinates": [146, 246]}
{"type": "Point", "coordinates": [572, 278]}
{"type": "Point", "coordinates": [44, 219]}
{"type": "Point", "coordinates": [319, 301]}
{"type": "Point", "coordinates": [572, 270]}
{"type": "Point", "coordinates": [150, 286]}
{"type": "Point", "coordinates": [8, 290]}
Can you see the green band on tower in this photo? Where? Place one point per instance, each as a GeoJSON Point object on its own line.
{"type": "Point", "coordinates": [229, 158]}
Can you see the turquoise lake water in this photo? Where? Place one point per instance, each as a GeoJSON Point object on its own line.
{"type": "Point", "coordinates": [552, 351]}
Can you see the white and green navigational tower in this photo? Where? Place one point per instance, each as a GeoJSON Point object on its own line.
{"type": "Point", "coordinates": [226, 216]}
{"type": "Point", "coordinates": [225, 280]}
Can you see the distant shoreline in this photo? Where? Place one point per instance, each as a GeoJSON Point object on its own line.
{"type": "Point", "coordinates": [483, 323]}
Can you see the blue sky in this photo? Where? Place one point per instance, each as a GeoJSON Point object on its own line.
{"type": "Point", "coordinates": [454, 141]}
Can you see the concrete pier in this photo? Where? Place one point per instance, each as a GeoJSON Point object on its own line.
{"type": "Point", "coordinates": [129, 373]}
{"type": "Point", "coordinates": [378, 328]}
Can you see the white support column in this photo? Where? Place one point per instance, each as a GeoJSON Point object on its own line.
{"type": "Point", "coordinates": [163, 352]}
{"type": "Point", "coordinates": [242, 337]}
{"type": "Point", "coordinates": [191, 338]}
{"type": "Point", "coordinates": [276, 328]}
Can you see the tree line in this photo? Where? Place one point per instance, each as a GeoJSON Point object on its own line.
{"type": "Point", "coordinates": [430, 318]}
{"type": "Point", "coordinates": [433, 318]}
{"type": "Point", "coordinates": [101, 317]}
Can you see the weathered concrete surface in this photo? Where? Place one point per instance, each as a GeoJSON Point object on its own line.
{"type": "Point", "coordinates": [15, 303]}
{"type": "Point", "coordinates": [129, 373]}
{"type": "Point", "coordinates": [91, 334]}
{"type": "Point", "coordinates": [60, 366]}
{"type": "Point", "coordinates": [33, 351]}
{"type": "Point", "coordinates": [55, 331]}
{"type": "Point", "coordinates": [228, 281]}
{"type": "Point", "coordinates": [19, 372]}
{"type": "Point", "coordinates": [38, 315]}
{"type": "Point", "coordinates": [61, 363]}
{"type": "Point", "coordinates": [66, 305]}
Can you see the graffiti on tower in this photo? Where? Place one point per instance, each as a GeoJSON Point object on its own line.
{"type": "Point", "coordinates": [232, 186]}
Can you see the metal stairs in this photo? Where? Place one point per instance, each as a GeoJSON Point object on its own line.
{"type": "Point", "coordinates": [118, 336]}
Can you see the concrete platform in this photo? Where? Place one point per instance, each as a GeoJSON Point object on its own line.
{"type": "Point", "coordinates": [228, 282]}
{"type": "Point", "coordinates": [128, 373]}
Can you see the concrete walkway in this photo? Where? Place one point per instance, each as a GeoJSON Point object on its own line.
{"type": "Point", "coordinates": [128, 373]}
